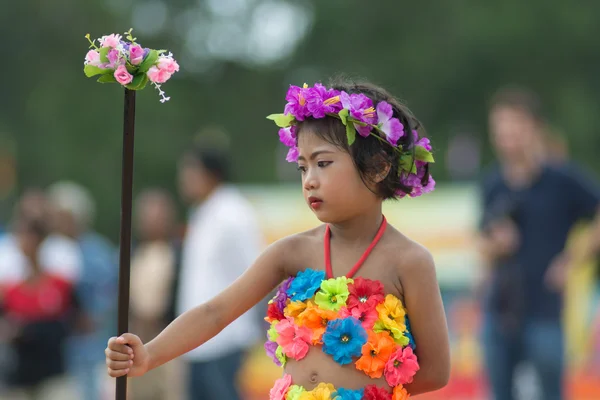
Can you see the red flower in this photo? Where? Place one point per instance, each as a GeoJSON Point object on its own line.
{"type": "Point", "coordinates": [274, 313]}
{"type": "Point", "coordinates": [364, 294]}
{"type": "Point", "coordinates": [372, 392]}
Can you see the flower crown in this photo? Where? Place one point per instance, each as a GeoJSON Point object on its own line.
{"type": "Point", "coordinates": [128, 64]}
{"type": "Point", "coordinates": [357, 113]}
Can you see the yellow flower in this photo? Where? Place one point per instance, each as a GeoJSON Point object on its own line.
{"type": "Point", "coordinates": [392, 313]}
{"type": "Point", "coordinates": [294, 308]}
{"type": "Point", "coordinates": [324, 391]}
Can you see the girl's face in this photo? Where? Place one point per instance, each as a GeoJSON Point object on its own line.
{"type": "Point", "coordinates": [331, 184]}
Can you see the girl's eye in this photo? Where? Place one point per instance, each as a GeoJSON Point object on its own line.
{"type": "Point", "coordinates": [301, 168]}
{"type": "Point", "coordinates": [323, 164]}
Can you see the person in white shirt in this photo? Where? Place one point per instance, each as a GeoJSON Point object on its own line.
{"type": "Point", "coordinates": [222, 240]}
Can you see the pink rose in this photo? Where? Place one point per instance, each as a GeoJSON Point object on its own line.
{"type": "Point", "coordinates": [168, 64]}
{"type": "Point", "coordinates": [280, 388]}
{"type": "Point", "coordinates": [110, 40]}
{"type": "Point", "coordinates": [157, 75]}
{"type": "Point", "coordinates": [401, 367]}
{"type": "Point", "coordinates": [136, 54]}
{"type": "Point", "coordinates": [122, 76]}
{"type": "Point", "coordinates": [92, 58]}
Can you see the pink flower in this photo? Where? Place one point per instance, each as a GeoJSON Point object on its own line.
{"type": "Point", "coordinates": [110, 40]}
{"type": "Point", "coordinates": [168, 64]}
{"type": "Point", "coordinates": [401, 367]}
{"type": "Point", "coordinates": [122, 76]}
{"type": "Point", "coordinates": [292, 155]}
{"type": "Point", "coordinates": [157, 75]}
{"type": "Point", "coordinates": [113, 58]}
{"type": "Point", "coordinates": [136, 54]}
{"type": "Point", "coordinates": [294, 340]}
{"type": "Point", "coordinates": [366, 316]}
{"type": "Point", "coordinates": [279, 390]}
{"type": "Point", "coordinates": [92, 58]}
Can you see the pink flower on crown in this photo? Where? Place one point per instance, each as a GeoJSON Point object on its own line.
{"type": "Point", "coordinates": [391, 126]}
{"type": "Point", "coordinates": [295, 340]}
{"type": "Point", "coordinates": [136, 54]}
{"type": "Point", "coordinates": [157, 75]}
{"type": "Point", "coordinates": [287, 136]}
{"type": "Point", "coordinates": [92, 58]}
{"type": "Point", "coordinates": [168, 64]}
{"type": "Point", "coordinates": [110, 40]}
{"type": "Point", "coordinates": [320, 101]}
{"type": "Point", "coordinates": [360, 108]}
{"type": "Point", "coordinates": [296, 98]}
{"type": "Point", "coordinates": [401, 367]}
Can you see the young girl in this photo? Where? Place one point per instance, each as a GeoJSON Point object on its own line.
{"type": "Point", "coordinates": [339, 320]}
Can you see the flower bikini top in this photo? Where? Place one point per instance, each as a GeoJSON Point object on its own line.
{"type": "Point", "coordinates": [351, 318]}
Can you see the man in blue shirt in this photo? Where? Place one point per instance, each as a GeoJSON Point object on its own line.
{"type": "Point", "coordinates": [530, 206]}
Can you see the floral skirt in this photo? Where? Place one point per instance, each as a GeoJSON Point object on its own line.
{"type": "Point", "coordinates": [284, 389]}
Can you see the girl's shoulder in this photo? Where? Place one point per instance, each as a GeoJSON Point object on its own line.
{"type": "Point", "coordinates": [299, 250]}
{"type": "Point", "coordinates": [407, 253]}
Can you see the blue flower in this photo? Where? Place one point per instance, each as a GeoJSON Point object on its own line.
{"type": "Point", "coordinates": [344, 339]}
{"type": "Point", "coordinates": [306, 284]}
{"type": "Point", "coordinates": [408, 333]}
{"type": "Point", "coordinates": [347, 394]}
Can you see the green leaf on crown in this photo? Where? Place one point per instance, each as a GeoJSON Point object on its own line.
{"type": "Point", "coordinates": [281, 120]}
{"type": "Point", "coordinates": [91, 70]}
{"type": "Point", "coordinates": [149, 61]}
{"type": "Point", "coordinates": [407, 163]}
{"type": "Point", "coordinates": [138, 83]}
{"type": "Point", "coordinates": [343, 114]}
{"type": "Point", "coordinates": [104, 54]}
{"type": "Point", "coordinates": [108, 78]}
{"type": "Point", "coordinates": [422, 154]}
{"type": "Point", "coordinates": [350, 134]}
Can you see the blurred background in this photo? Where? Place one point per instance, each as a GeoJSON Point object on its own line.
{"type": "Point", "coordinates": [237, 58]}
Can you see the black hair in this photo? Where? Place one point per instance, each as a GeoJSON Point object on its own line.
{"type": "Point", "coordinates": [35, 226]}
{"type": "Point", "coordinates": [214, 159]}
{"type": "Point", "coordinates": [370, 155]}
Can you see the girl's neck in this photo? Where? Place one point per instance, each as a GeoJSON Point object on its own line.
{"type": "Point", "coordinates": [358, 230]}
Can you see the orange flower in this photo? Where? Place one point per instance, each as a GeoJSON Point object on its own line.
{"type": "Point", "coordinates": [316, 319]}
{"type": "Point", "coordinates": [400, 393]}
{"type": "Point", "coordinates": [375, 354]}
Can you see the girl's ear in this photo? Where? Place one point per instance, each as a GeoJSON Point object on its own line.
{"type": "Point", "coordinates": [383, 167]}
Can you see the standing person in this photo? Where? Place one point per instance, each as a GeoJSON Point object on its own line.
{"type": "Point", "coordinates": [72, 210]}
{"type": "Point", "coordinates": [222, 240]}
{"type": "Point", "coordinates": [154, 270]}
{"type": "Point", "coordinates": [339, 321]}
{"type": "Point", "coordinates": [529, 208]}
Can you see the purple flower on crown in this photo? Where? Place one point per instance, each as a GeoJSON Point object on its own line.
{"type": "Point", "coordinates": [360, 107]}
{"type": "Point", "coordinates": [320, 101]}
{"type": "Point", "coordinates": [390, 126]}
{"type": "Point", "coordinates": [296, 98]}
{"type": "Point", "coordinates": [415, 181]}
{"type": "Point", "coordinates": [292, 155]}
{"type": "Point", "coordinates": [287, 136]}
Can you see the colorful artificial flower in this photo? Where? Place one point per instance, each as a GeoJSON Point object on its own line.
{"type": "Point", "coordinates": [364, 293]}
{"type": "Point", "coordinates": [271, 350]}
{"type": "Point", "coordinates": [128, 63]}
{"type": "Point", "coordinates": [343, 339]}
{"type": "Point", "coordinates": [391, 317]}
{"type": "Point", "coordinates": [287, 136]}
{"type": "Point", "coordinates": [320, 101]}
{"type": "Point", "coordinates": [279, 390]}
{"type": "Point", "coordinates": [294, 309]}
{"type": "Point", "coordinates": [390, 126]}
{"type": "Point", "coordinates": [294, 340]}
{"type": "Point", "coordinates": [347, 394]}
{"type": "Point", "coordinates": [305, 285]}
{"type": "Point", "coordinates": [294, 392]}
{"type": "Point", "coordinates": [366, 316]}
{"type": "Point", "coordinates": [316, 319]}
{"type": "Point", "coordinates": [296, 98]}
{"type": "Point", "coordinates": [274, 313]}
{"type": "Point", "coordinates": [375, 354]}
{"type": "Point", "coordinates": [372, 392]}
{"type": "Point", "coordinates": [281, 357]}
{"type": "Point", "coordinates": [400, 393]}
{"type": "Point", "coordinates": [333, 293]}
{"type": "Point", "coordinates": [360, 108]}
{"type": "Point", "coordinates": [401, 367]}
{"type": "Point", "coordinates": [408, 333]}
{"type": "Point", "coordinates": [323, 391]}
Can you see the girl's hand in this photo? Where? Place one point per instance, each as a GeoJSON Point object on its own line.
{"type": "Point", "coordinates": [126, 355]}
